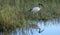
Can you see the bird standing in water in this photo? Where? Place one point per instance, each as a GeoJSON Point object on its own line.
{"type": "Point", "coordinates": [35, 10]}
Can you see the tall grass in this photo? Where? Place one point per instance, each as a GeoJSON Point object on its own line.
{"type": "Point", "coordinates": [14, 12]}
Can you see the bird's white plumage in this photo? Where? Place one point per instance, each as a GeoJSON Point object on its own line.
{"type": "Point", "coordinates": [36, 9]}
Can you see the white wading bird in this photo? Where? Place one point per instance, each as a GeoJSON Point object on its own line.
{"type": "Point", "coordinates": [34, 10]}
{"type": "Point", "coordinates": [37, 8]}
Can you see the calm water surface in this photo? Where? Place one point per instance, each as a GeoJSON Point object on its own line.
{"type": "Point", "coordinates": [51, 27]}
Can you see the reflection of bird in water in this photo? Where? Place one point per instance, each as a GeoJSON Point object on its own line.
{"type": "Point", "coordinates": [40, 30]}
{"type": "Point", "coordinates": [36, 26]}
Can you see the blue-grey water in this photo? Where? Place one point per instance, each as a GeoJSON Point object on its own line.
{"type": "Point", "coordinates": [51, 27]}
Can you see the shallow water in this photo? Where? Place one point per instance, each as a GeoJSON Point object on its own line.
{"type": "Point", "coordinates": [51, 27]}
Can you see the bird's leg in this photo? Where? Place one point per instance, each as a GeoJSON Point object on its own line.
{"type": "Point", "coordinates": [37, 14]}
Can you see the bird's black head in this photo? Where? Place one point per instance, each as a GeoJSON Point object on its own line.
{"type": "Point", "coordinates": [40, 5]}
